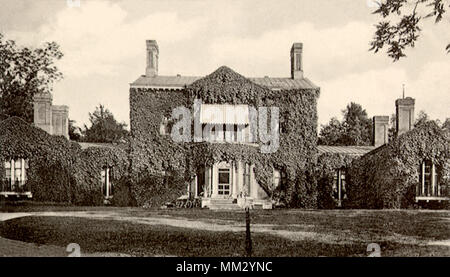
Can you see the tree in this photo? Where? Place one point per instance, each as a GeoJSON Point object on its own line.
{"type": "Point", "coordinates": [23, 73]}
{"type": "Point", "coordinates": [104, 128]}
{"type": "Point", "coordinates": [422, 117]}
{"type": "Point", "coordinates": [331, 134]}
{"type": "Point", "coordinates": [74, 131]}
{"type": "Point", "coordinates": [404, 33]}
{"type": "Point", "coordinates": [446, 124]}
{"type": "Point", "coordinates": [392, 127]}
{"type": "Point", "coordinates": [355, 129]}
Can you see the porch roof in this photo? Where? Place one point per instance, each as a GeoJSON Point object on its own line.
{"type": "Point", "coordinates": [346, 150]}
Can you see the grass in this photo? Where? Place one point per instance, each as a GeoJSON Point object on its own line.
{"type": "Point", "coordinates": [149, 240]}
{"type": "Point", "coordinates": [399, 233]}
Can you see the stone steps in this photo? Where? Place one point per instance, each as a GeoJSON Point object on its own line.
{"type": "Point", "coordinates": [223, 204]}
{"type": "Point", "coordinates": [224, 207]}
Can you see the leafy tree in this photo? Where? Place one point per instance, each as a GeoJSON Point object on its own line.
{"type": "Point", "coordinates": [404, 33]}
{"type": "Point", "coordinates": [392, 127]}
{"type": "Point", "coordinates": [23, 73]}
{"type": "Point", "coordinates": [104, 127]}
{"type": "Point", "coordinates": [422, 117]}
{"type": "Point", "coordinates": [355, 129]}
{"type": "Point", "coordinates": [74, 131]}
{"type": "Point", "coordinates": [446, 124]}
{"type": "Point", "coordinates": [331, 134]}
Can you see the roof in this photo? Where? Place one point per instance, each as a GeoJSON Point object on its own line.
{"type": "Point", "coordinates": [346, 150]}
{"type": "Point", "coordinates": [85, 145]}
{"type": "Point", "coordinates": [181, 81]}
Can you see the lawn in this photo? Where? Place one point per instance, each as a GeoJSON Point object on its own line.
{"type": "Point", "coordinates": [274, 232]}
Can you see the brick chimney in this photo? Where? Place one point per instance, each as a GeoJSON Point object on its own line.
{"type": "Point", "coordinates": [43, 111]}
{"type": "Point", "coordinates": [404, 108]}
{"type": "Point", "coordinates": [297, 61]}
{"type": "Point", "coordinates": [60, 120]}
{"type": "Point", "coordinates": [152, 58]}
{"type": "Point", "coordinates": [380, 130]}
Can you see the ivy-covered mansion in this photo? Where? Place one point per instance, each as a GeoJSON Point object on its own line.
{"type": "Point", "coordinates": [223, 155]}
{"type": "Point", "coordinates": [221, 148]}
{"type": "Point", "coordinates": [225, 141]}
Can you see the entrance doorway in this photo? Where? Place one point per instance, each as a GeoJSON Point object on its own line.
{"type": "Point", "coordinates": [224, 183]}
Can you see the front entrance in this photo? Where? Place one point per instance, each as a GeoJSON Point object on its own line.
{"type": "Point", "coordinates": [224, 182]}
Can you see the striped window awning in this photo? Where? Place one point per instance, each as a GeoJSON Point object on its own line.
{"type": "Point", "coordinates": [224, 114]}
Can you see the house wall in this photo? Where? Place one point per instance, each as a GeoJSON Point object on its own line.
{"type": "Point", "coordinates": [154, 157]}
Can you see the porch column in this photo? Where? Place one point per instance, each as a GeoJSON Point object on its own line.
{"type": "Point", "coordinates": [433, 180]}
{"type": "Point", "coordinates": [235, 179]}
{"type": "Point", "coordinates": [22, 172]}
{"type": "Point", "coordinates": [213, 181]}
{"type": "Point", "coordinates": [210, 178]}
{"type": "Point", "coordinates": [107, 182]}
{"type": "Point", "coordinates": [339, 185]}
{"type": "Point", "coordinates": [195, 186]}
{"type": "Point", "coordinates": [13, 177]}
{"type": "Point", "coordinates": [423, 179]}
{"type": "Point", "coordinates": [240, 177]}
{"type": "Point", "coordinates": [253, 183]}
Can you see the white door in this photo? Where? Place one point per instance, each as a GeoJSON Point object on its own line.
{"type": "Point", "coordinates": [224, 182]}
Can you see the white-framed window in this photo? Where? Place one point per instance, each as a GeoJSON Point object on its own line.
{"type": "Point", "coordinates": [339, 185]}
{"type": "Point", "coordinates": [107, 185]}
{"type": "Point", "coordinates": [15, 174]}
{"type": "Point", "coordinates": [165, 127]}
{"type": "Point", "coordinates": [278, 178]}
{"type": "Point", "coordinates": [428, 180]}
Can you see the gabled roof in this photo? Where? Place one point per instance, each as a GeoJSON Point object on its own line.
{"type": "Point", "coordinates": [182, 81]}
{"type": "Point", "coordinates": [345, 150]}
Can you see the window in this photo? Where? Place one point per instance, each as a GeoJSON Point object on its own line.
{"type": "Point", "coordinates": [107, 186]}
{"type": "Point", "coordinates": [15, 175]}
{"type": "Point", "coordinates": [279, 178]}
{"type": "Point", "coordinates": [224, 181]}
{"type": "Point", "coordinates": [429, 181]}
{"type": "Point", "coordinates": [339, 185]}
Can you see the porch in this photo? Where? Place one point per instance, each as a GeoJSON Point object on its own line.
{"type": "Point", "coordinates": [15, 184]}
{"type": "Point", "coordinates": [13, 190]}
{"type": "Point", "coordinates": [431, 187]}
{"type": "Point", "coordinates": [229, 185]}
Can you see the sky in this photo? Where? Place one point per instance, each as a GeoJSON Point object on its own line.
{"type": "Point", "coordinates": [104, 49]}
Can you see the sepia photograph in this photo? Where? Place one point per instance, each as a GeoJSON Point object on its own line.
{"type": "Point", "coordinates": [189, 130]}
